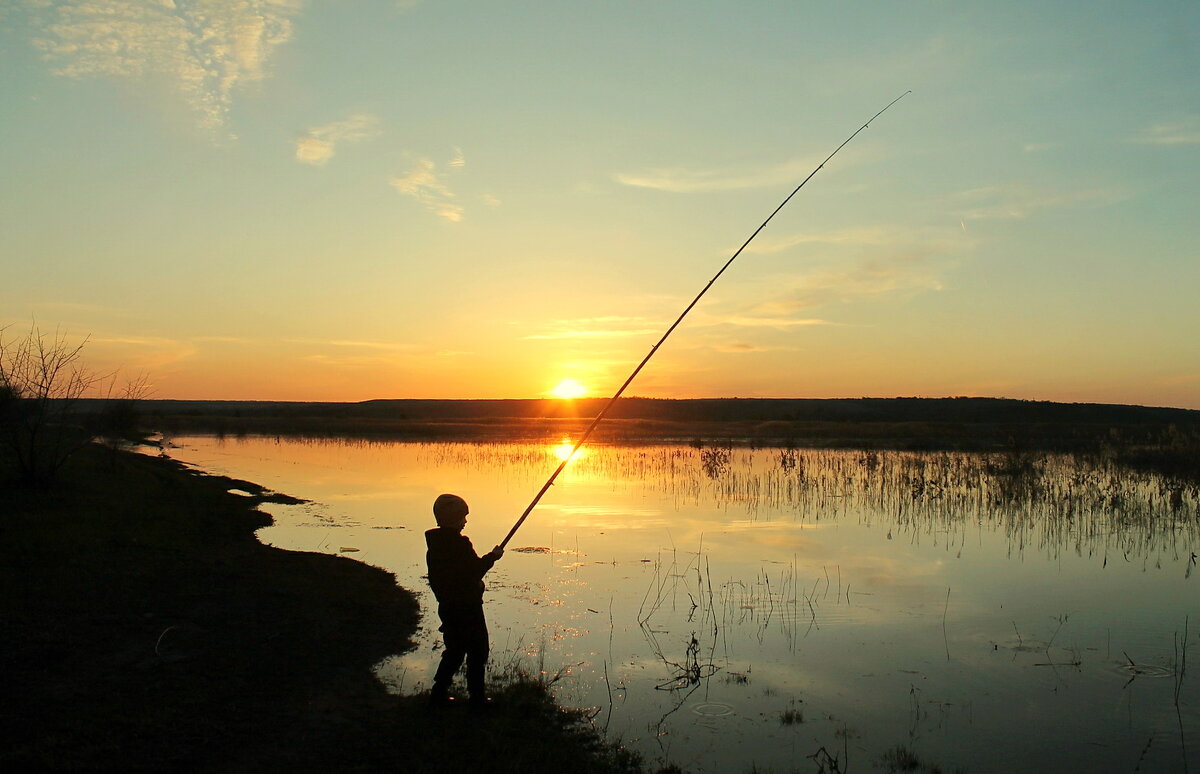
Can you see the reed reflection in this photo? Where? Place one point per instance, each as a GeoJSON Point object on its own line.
{"type": "Point", "coordinates": [1052, 502]}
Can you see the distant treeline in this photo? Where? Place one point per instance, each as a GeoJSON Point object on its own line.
{"type": "Point", "coordinates": [698, 409]}
{"type": "Point", "coordinates": [902, 423]}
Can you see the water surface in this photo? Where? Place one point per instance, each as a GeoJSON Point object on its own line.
{"type": "Point", "coordinates": [723, 607]}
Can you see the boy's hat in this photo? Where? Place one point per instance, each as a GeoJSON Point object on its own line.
{"type": "Point", "coordinates": [449, 509]}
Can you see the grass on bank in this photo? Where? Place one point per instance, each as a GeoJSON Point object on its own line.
{"type": "Point", "coordinates": [146, 629]}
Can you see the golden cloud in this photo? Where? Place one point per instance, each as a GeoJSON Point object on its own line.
{"type": "Point", "coordinates": [205, 49]}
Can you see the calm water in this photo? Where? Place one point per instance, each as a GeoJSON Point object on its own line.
{"type": "Point", "coordinates": [727, 608]}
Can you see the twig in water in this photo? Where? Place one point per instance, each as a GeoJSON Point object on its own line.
{"type": "Point", "coordinates": [945, 634]}
{"type": "Point", "coordinates": [914, 706]}
{"type": "Point", "coordinates": [691, 672]}
{"type": "Point", "coordinates": [607, 684]}
{"type": "Point", "coordinates": [1181, 648]}
{"type": "Point", "coordinates": [169, 628]}
{"type": "Point", "coordinates": [1180, 669]}
{"type": "Point", "coordinates": [1142, 757]}
{"type": "Point", "coordinates": [826, 762]}
{"type": "Point", "coordinates": [1062, 619]}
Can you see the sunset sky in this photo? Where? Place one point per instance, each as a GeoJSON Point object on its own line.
{"type": "Point", "coordinates": [355, 199]}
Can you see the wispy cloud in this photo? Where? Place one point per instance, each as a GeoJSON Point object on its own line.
{"type": "Point", "coordinates": [148, 353]}
{"type": "Point", "coordinates": [205, 50]}
{"type": "Point", "coordinates": [319, 144]}
{"type": "Point", "coordinates": [137, 341]}
{"type": "Point", "coordinates": [610, 327]}
{"type": "Point", "coordinates": [680, 180]}
{"type": "Point", "coordinates": [348, 361]}
{"type": "Point", "coordinates": [224, 340]}
{"type": "Point", "coordinates": [1179, 133]}
{"type": "Point", "coordinates": [590, 334]}
{"type": "Point", "coordinates": [753, 321]}
{"type": "Point", "coordinates": [355, 353]}
{"type": "Point", "coordinates": [426, 185]}
{"type": "Point", "coordinates": [1017, 202]}
{"type": "Point", "coordinates": [364, 344]}
{"type": "Point", "coordinates": [64, 310]}
{"type": "Point", "coordinates": [390, 346]}
{"type": "Point", "coordinates": [743, 348]}
{"type": "Point", "coordinates": [861, 236]}
{"type": "Point", "coordinates": [915, 269]}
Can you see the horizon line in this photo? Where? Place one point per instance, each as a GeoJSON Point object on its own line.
{"type": "Point", "coordinates": [648, 398]}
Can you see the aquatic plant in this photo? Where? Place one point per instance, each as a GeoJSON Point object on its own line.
{"type": "Point", "coordinates": [1052, 502]}
{"type": "Point", "coordinates": [791, 716]}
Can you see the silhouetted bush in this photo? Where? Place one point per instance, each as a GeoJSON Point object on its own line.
{"type": "Point", "coordinates": [42, 379]}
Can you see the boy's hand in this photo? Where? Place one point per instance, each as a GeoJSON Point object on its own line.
{"type": "Point", "coordinates": [496, 552]}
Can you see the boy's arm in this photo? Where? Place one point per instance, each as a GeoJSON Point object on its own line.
{"type": "Point", "coordinates": [481, 564]}
{"type": "Point", "coordinates": [488, 560]}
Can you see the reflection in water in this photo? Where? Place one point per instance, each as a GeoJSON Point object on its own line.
{"type": "Point", "coordinates": [1050, 502]}
{"type": "Point", "coordinates": [980, 609]}
{"type": "Point", "coordinates": [563, 451]}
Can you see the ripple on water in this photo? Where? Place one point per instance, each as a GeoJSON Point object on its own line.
{"type": "Point", "coordinates": [713, 709]}
{"type": "Point", "coordinates": [1145, 670]}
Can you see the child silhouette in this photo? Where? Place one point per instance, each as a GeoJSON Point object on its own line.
{"type": "Point", "coordinates": [456, 577]}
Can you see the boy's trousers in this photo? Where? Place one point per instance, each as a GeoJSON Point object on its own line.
{"type": "Point", "coordinates": [464, 632]}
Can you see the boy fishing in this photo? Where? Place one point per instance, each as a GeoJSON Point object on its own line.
{"type": "Point", "coordinates": [456, 577]}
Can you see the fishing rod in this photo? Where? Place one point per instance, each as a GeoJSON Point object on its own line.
{"type": "Point", "coordinates": [620, 390]}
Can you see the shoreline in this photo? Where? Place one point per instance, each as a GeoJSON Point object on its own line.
{"type": "Point", "coordinates": [146, 628]}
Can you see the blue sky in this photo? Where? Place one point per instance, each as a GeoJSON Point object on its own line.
{"type": "Point", "coordinates": [348, 200]}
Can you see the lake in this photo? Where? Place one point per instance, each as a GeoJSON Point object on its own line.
{"type": "Point", "coordinates": [722, 607]}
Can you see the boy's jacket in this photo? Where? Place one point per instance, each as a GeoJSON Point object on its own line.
{"type": "Point", "coordinates": [455, 570]}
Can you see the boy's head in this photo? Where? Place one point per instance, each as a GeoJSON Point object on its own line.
{"type": "Point", "coordinates": [451, 511]}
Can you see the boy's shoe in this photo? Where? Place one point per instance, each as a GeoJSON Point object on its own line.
{"type": "Point", "coordinates": [481, 704]}
{"type": "Point", "coordinates": [439, 699]}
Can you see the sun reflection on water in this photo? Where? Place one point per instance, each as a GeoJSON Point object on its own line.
{"type": "Point", "coordinates": [562, 451]}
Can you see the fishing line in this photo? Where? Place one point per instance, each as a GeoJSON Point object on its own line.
{"type": "Point", "coordinates": [620, 390]}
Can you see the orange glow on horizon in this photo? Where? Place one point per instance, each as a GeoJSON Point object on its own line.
{"type": "Point", "coordinates": [569, 389]}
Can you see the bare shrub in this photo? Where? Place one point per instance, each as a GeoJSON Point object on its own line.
{"type": "Point", "coordinates": [118, 420]}
{"type": "Point", "coordinates": [42, 379]}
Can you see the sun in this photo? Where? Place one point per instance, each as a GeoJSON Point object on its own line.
{"type": "Point", "coordinates": [568, 389]}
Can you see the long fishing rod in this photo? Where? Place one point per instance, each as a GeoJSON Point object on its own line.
{"type": "Point", "coordinates": [620, 390]}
